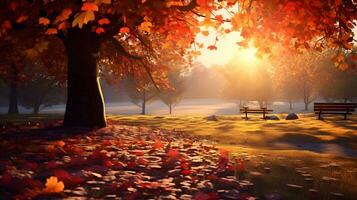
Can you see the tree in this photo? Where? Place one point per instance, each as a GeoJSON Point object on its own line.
{"type": "Point", "coordinates": [139, 94]}
{"type": "Point", "coordinates": [283, 73]}
{"type": "Point", "coordinates": [344, 82]}
{"type": "Point", "coordinates": [84, 25]}
{"type": "Point", "coordinates": [237, 82]}
{"type": "Point", "coordinates": [41, 93]}
{"type": "Point", "coordinates": [12, 70]}
{"type": "Point", "coordinates": [173, 95]}
{"type": "Point", "coordinates": [305, 72]}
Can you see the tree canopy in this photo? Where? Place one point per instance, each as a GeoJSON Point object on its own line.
{"type": "Point", "coordinates": [142, 31]}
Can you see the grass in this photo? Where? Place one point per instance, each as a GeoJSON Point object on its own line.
{"type": "Point", "coordinates": [277, 145]}
{"type": "Point", "coordinates": [22, 118]}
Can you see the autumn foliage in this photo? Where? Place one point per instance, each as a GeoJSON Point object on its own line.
{"type": "Point", "coordinates": [136, 35]}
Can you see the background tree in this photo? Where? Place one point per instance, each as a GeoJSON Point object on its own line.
{"type": "Point", "coordinates": [173, 95]}
{"type": "Point", "coordinates": [283, 73]}
{"type": "Point", "coordinates": [344, 82]}
{"type": "Point", "coordinates": [41, 93]}
{"type": "Point", "coordinates": [139, 94]}
{"type": "Point", "coordinates": [237, 81]}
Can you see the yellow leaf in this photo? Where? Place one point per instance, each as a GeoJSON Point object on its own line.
{"type": "Point", "coordinates": [107, 1]}
{"type": "Point", "coordinates": [53, 185]}
{"type": "Point", "coordinates": [83, 18]}
{"type": "Point", "coordinates": [43, 21]}
{"type": "Point", "coordinates": [145, 26]}
{"type": "Point", "coordinates": [89, 17]}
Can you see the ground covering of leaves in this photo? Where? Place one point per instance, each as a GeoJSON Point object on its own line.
{"type": "Point", "coordinates": [116, 162]}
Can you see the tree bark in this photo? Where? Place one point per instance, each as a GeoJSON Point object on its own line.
{"type": "Point", "coordinates": [291, 105]}
{"type": "Point", "coordinates": [13, 108]}
{"type": "Point", "coordinates": [85, 104]}
{"type": "Point", "coordinates": [143, 106]}
{"type": "Point", "coordinates": [306, 106]}
{"type": "Point", "coordinates": [36, 109]}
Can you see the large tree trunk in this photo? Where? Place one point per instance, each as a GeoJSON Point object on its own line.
{"type": "Point", "coordinates": [13, 108]}
{"type": "Point", "coordinates": [85, 105]}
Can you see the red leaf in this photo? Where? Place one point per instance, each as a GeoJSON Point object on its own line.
{"type": "Point", "coordinates": [6, 25]}
{"type": "Point", "coordinates": [99, 30]}
{"type": "Point", "coordinates": [212, 47]}
{"type": "Point", "coordinates": [158, 144]}
{"type": "Point", "coordinates": [124, 30]}
{"type": "Point", "coordinates": [173, 153]}
{"type": "Point", "coordinates": [103, 21]}
{"type": "Point", "coordinates": [185, 172]}
{"type": "Point", "coordinates": [90, 7]}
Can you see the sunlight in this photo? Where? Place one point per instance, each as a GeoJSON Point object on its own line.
{"type": "Point", "coordinates": [227, 50]}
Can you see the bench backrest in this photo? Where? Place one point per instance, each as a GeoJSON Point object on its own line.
{"type": "Point", "coordinates": [255, 109]}
{"type": "Point", "coordinates": [349, 107]}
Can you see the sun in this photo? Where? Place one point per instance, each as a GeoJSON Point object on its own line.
{"type": "Point", "coordinates": [227, 50]}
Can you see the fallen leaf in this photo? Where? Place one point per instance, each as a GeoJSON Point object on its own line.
{"type": "Point", "coordinates": [53, 185]}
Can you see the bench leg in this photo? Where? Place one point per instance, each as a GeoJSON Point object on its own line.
{"type": "Point", "coordinates": [263, 115]}
{"type": "Point", "coordinates": [319, 116]}
{"type": "Point", "coordinates": [345, 117]}
{"type": "Point", "coordinates": [246, 115]}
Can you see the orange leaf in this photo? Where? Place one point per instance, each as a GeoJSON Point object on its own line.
{"type": "Point", "coordinates": [62, 26]}
{"type": "Point", "coordinates": [212, 47]}
{"type": "Point", "coordinates": [202, 3]}
{"type": "Point", "coordinates": [43, 21]}
{"type": "Point", "coordinates": [51, 31]}
{"type": "Point", "coordinates": [99, 30]}
{"type": "Point", "coordinates": [205, 33]}
{"type": "Point", "coordinates": [22, 18]}
{"type": "Point", "coordinates": [103, 21]}
{"type": "Point", "coordinates": [219, 18]}
{"type": "Point", "coordinates": [124, 30]}
{"type": "Point", "coordinates": [243, 43]}
{"type": "Point", "coordinates": [63, 16]}
{"type": "Point", "coordinates": [90, 7]}
{"type": "Point", "coordinates": [53, 185]}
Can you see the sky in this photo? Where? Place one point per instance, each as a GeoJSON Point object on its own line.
{"type": "Point", "coordinates": [227, 49]}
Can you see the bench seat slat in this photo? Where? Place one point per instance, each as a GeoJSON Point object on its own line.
{"type": "Point", "coordinates": [255, 110]}
{"type": "Point", "coordinates": [354, 104]}
{"type": "Point", "coordinates": [335, 113]}
{"type": "Point", "coordinates": [334, 106]}
{"type": "Point", "coordinates": [334, 109]}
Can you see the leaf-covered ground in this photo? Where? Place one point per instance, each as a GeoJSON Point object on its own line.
{"type": "Point", "coordinates": [117, 162]}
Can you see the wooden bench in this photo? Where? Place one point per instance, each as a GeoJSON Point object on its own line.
{"type": "Point", "coordinates": [263, 111]}
{"type": "Point", "coordinates": [334, 109]}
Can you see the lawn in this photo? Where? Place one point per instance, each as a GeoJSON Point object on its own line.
{"type": "Point", "coordinates": [299, 159]}
{"type": "Point", "coordinates": [304, 158]}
